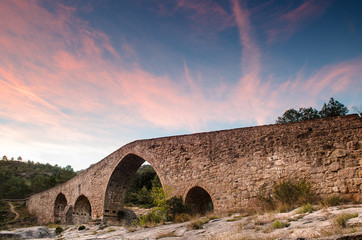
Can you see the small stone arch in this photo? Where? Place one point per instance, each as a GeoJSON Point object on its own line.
{"type": "Point", "coordinates": [199, 200]}
{"type": "Point", "coordinates": [59, 205]}
{"type": "Point", "coordinates": [82, 211]}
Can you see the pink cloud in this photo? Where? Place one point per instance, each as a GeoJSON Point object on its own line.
{"type": "Point", "coordinates": [284, 25]}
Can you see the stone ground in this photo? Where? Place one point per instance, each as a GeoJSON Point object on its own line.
{"type": "Point", "coordinates": [320, 224]}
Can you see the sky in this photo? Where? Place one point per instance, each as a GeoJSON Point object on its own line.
{"type": "Point", "coordinates": [81, 78]}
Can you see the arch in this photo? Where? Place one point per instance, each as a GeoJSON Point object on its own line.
{"type": "Point", "coordinates": [118, 183]}
{"type": "Point", "coordinates": [59, 205]}
{"type": "Point", "coordinates": [199, 200]}
{"type": "Point", "coordinates": [82, 212]}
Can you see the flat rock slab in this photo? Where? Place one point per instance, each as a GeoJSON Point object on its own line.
{"type": "Point", "coordinates": [28, 233]}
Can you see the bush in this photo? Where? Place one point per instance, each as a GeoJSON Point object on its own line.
{"type": "Point", "coordinates": [153, 218]}
{"type": "Point", "coordinates": [175, 205]}
{"type": "Point", "coordinates": [286, 195]}
{"type": "Point", "coordinates": [58, 230]}
{"type": "Point", "coordinates": [332, 201]}
{"type": "Point", "coordinates": [266, 197]}
{"type": "Point", "coordinates": [172, 209]}
{"type": "Point", "coordinates": [290, 194]}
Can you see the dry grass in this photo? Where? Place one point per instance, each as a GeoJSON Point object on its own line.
{"type": "Point", "coordinates": [198, 224]}
{"type": "Point", "coordinates": [197, 221]}
{"type": "Point", "coordinates": [264, 219]}
{"type": "Point", "coordinates": [306, 208]}
{"type": "Point", "coordinates": [245, 236]}
{"type": "Point", "coordinates": [333, 201]}
{"type": "Point", "coordinates": [280, 224]}
{"type": "Point", "coordinates": [166, 234]}
{"type": "Point", "coordinates": [235, 218]}
{"type": "Point", "coordinates": [183, 217]}
{"type": "Point", "coordinates": [342, 219]}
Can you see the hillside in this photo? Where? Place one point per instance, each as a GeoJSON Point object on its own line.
{"type": "Point", "coordinates": [20, 179]}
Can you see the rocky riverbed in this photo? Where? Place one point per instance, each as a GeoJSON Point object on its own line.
{"type": "Point", "coordinates": [340, 222]}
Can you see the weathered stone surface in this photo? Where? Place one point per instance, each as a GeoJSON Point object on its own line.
{"type": "Point", "coordinates": [334, 167]}
{"type": "Point", "coordinates": [338, 153]}
{"type": "Point", "coordinates": [319, 224]}
{"type": "Point", "coordinates": [28, 233]}
{"type": "Point", "coordinates": [230, 165]}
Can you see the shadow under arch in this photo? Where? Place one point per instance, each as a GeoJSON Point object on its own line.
{"type": "Point", "coordinates": [118, 183]}
{"type": "Point", "coordinates": [199, 200]}
{"type": "Point", "coordinates": [59, 206]}
{"type": "Point", "coordinates": [82, 212]}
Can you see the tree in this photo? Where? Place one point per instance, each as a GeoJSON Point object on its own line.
{"type": "Point", "coordinates": [303, 114]}
{"type": "Point", "coordinates": [289, 116]}
{"type": "Point", "coordinates": [333, 109]}
{"type": "Point", "coordinates": [308, 114]}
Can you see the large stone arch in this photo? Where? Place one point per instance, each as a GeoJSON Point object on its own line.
{"type": "Point", "coordinates": [82, 212]}
{"type": "Point", "coordinates": [118, 183]}
{"type": "Point", "coordinates": [60, 204]}
{"type": "Point", "coordinates": [199, 200]}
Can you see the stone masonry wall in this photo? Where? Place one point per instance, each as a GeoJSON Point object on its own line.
{"type": "Point", "coordinates": [231, 165]}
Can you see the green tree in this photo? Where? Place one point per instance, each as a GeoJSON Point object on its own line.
{"type": "Point", "coordinates": [308, 114]}
{"type": "Point", "coordinates": [20, 179]}
{"type": "Point", "coordinates": [139, 191]}
{"type": "Point", "coordinates": [303, 114]}
{"type": "Point", "coordinates": [333, 109]}
{"type": "Point", "coordinates": [289, 116]}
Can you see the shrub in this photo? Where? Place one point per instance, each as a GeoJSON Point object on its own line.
{"type": "Point", "coordinates": [333, 200]}
{"type": "Point", "coordinates": [342, 219]}
{"type": "Point", "coordinates": [166, 209]}
{"type": "Point", "coordinates": [175, 205]}
{"type": "Point", "coordinates": [288, 194]}
{"type": "Point", "coordinates": [58, 230]}
{"type": "Point", "coordinates": [81, 227]}
{"type": "Point", "coordinates": [266, 197]}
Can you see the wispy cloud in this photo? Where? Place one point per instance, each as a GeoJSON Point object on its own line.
{"type": "Point", "coordinates": [208, 16]}
{"type": "Point", "coordinates": [284, 22]}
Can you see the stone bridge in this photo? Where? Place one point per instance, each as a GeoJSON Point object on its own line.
{"type": "Point", "coordinates": [223, 170]}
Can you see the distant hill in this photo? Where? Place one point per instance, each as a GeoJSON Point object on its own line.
{"type": "Point", "coordinates": [20, 179]}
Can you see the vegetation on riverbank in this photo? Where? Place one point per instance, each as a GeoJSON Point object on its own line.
{"type": "Point", "coordinates": [20, 179]}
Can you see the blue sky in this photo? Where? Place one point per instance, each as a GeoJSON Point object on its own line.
{"type": "Point", "coordinates": [79, 79]}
